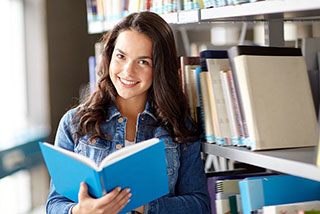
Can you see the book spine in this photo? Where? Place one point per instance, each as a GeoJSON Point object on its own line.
{"type": "Point", "coordinates": [102, 184]}
{"type": "Point", "coordinates": [236, 105]}
{"type": "Point", "coordinates": [207, 118]}
{"type": "Point", "coordinates": [232, 53]}
{"type": "Point", "coordinates": [229, 105]}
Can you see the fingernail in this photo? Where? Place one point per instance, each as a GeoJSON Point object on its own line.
{"type": "Point", "coordinates": [130, 195]}
{"type": "Point", "coordinates": [118, 189]}
{"type": "Point", "coordinates": [128, 190]}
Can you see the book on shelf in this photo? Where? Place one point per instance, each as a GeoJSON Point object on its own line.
{"type": "Point", "coordinates": [141, 167]}
{"type": "Point", "coordinates": [233, 112]}
{"type": "Point", "coordinates": [221, 122]}
{"type": "Point", "coordinates": [253, 50]}
{"type": "Point", "coordinates": [237, 174]}
{"type": "Point", "coordinates": [309, 48]}
{"type": "Point", "coordinates": [277, 101]}
{"type": "Point", "coordinates": [257, 192]}
{"type": "Point", "coordinates": [207, 113]}
{"type": "Point", "coordinates": [291, 208]}
{"type": "Point", "coordinates": [187, 60]}
{"type": "Point", "coordinates": [188, 75]}
{"type": "Point", "coordinates": [192, 91]}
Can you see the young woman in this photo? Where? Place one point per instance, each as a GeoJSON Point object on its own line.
{"type": "Point", "coordinates": [138, 97]}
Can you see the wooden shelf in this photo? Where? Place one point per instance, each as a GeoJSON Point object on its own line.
{"type": "Point", "coordinates": [295, 161]}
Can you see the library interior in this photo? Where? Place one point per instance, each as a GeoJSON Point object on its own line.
{"type": "Point", "coordinates": [249, 71]}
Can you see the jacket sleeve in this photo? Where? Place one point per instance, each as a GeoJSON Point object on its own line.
{"type": "Point", "coordinates": [57, 203]}
{"type": "Point", "coordinates": [191, 188]}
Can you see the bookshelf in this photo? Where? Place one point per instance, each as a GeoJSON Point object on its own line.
{"type": "Point", "coordinates": [290, 9]}
{"type": "Point", "coordinates": [295, 161]}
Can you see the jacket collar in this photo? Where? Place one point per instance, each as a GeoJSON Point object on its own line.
{"type": "Point", "coordinates": [114, 112]}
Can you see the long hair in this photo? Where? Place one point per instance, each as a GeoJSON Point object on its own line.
{"type": "Point", "coordinates": [165, 94]}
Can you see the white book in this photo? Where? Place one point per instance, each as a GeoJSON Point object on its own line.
{"type": "Point", "coordinates": [222, 206]}
{"type": "Point", "coordinates": [220, 110]}
{"type": "Point", "coordinates": [291, 208]}
{"type": "Point", "coordinates": [277, 100]}
{"type": "Point", "coordinates": [230, 106]}
{"type": "Point", "coordinates": [208, 124]}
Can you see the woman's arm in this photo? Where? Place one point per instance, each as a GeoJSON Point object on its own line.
{"type": "Point", "coordinates": [56, 203]}
{"type": "Point", "coordinates": [191, 188]}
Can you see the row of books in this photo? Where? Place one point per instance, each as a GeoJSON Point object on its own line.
{"type": "Point", "coordinates": [109, 10]}
{"type": "Point", "coordinates": [101, 10]}
{"type": "Point", "coordinates": [264, 192]}
{"type": "Point", "coordinates": [252, 96]}
{"type": "Point", "coordinates": [222, 3]}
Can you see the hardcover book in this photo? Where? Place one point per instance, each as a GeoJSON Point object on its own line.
{"type": "Point", "coordinates": [257, 192]}
{"type": "Point", "coordinates": [277, 101]}
{"type": "Point", "coordinates": [257, 51]}
{"type": "Point", "coordinates": [141, 167]}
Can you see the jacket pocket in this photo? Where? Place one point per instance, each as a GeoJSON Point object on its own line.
{"type": "Point", "coordinates": [96, 150]}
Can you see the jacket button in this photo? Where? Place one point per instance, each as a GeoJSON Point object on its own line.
{"type": "Point", "coordinates": [142, 118]}
{"type": "Point", "coordinates": [119, 146]}
{"type": "Point", "coordinates": [165, 140]}
{"type": "Point", "coordinates": [120, 120]}
{"type": "Point", "coordinates": [94, 141]}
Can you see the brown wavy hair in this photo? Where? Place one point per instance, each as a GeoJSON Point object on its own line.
{"type": "Point", "coordinates": [165, 94]}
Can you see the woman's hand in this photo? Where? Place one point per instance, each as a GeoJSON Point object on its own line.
{"type": "Point", "coordinates": [111, 203]}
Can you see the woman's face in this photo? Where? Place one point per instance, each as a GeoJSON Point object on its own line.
{"type": "Point", "coordinates": [131, 65]}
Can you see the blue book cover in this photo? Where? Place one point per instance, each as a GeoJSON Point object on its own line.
{"type": "Point", "coordinates": [257, 192]}
{"type": "Point", "coordinates": [141, 167]}
{"type": "Point", "coordinates": [227, 175]}
{"type": "Point", "coordinates": [211, 54]}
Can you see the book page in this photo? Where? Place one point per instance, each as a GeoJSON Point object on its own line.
{"type": "Point", "coordinates": [76, 156]}
{"type": "Point", "coordinates": [127, 151]}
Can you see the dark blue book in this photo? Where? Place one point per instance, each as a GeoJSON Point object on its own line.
{"type": "Point", "coordinates": [211, 54]}
{"type": "Point", "coordinates": [141, 167]}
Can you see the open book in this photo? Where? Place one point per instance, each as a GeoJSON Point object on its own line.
{"type": "Point", "coordinates": [141, 167]}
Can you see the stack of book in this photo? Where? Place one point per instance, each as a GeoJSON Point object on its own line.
{"type": "Point", "coordinates": [262, 192]}
{"type": "Point", "coordinates": [258, 97]}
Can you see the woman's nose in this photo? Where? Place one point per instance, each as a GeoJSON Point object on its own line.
{"type": "Point", "coordinates": [128, 67]}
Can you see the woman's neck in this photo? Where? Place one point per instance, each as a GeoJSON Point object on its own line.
{"type": "Point", "coordinates": [130, 107]}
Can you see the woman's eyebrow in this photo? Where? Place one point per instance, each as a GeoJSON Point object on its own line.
{"type": "Point", "coordinates": [140, 57]}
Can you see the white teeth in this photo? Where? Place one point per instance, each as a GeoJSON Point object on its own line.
{"type": "Point", "coordinates": [127, 82]}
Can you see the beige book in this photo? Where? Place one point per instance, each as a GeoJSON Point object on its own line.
{"type": "Point", "coordinates": [277, 101]}
{"type": "Point", "coordinates": [190, 89]}
{"type": "Point", "coordinates": [207, 117]}
{"type": "Point", "coordinates": [220, 110]}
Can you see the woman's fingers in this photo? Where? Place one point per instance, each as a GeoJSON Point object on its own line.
{"type": "Point", "coordinates": [83, 192]}
{"type": "Point", "coordinates": [121, 200]}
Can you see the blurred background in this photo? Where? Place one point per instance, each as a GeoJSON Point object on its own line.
{"type": "Point", "coordinates": [44, 52]}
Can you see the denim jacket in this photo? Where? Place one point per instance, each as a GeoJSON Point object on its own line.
{"type": "Point", "coordinates": [187, 182]}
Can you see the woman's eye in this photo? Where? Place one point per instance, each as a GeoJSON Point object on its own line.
{"type": "Point", "coordinates": [143, 62]}
{"type": "Point", "coordinates": [119, 56]}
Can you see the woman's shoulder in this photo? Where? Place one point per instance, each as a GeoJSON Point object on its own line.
{"type": "Point", "coordinates": [70, 114]}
